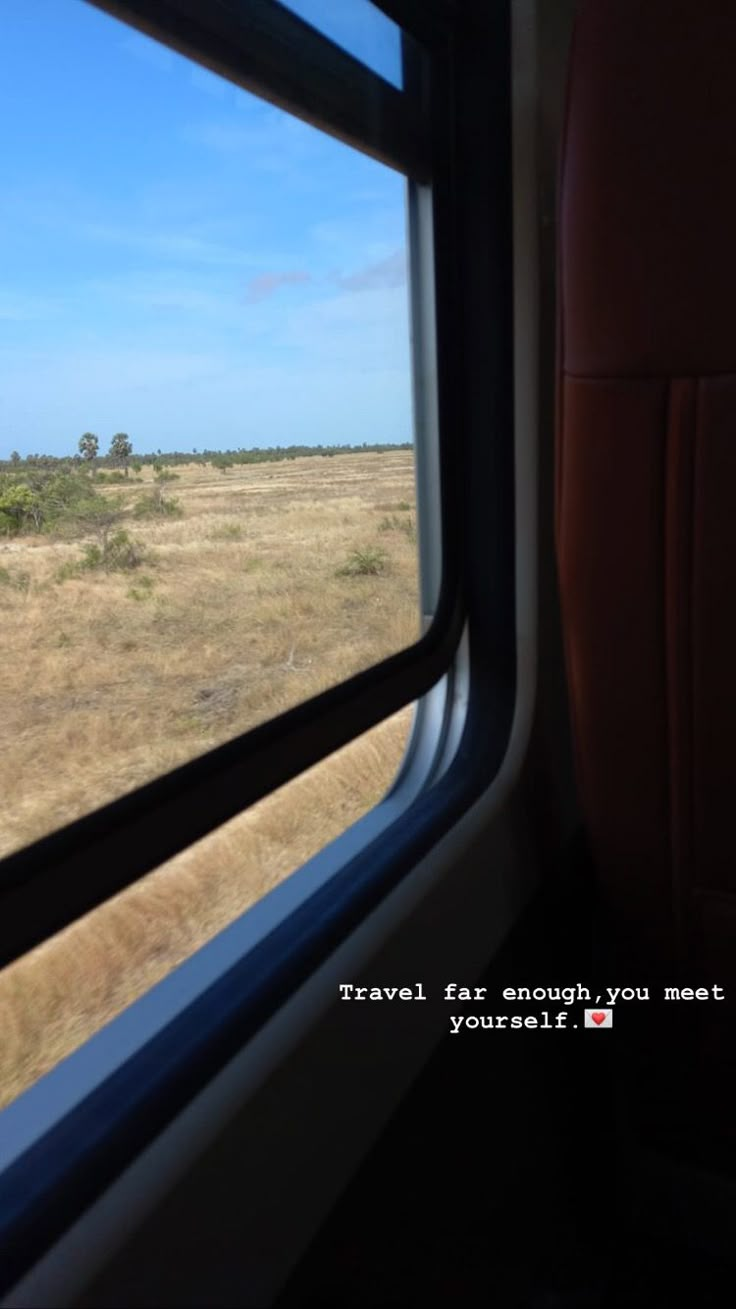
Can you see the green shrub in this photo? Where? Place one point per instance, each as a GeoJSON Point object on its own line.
{"type": "Point", "coordinates": [367, 562]}
{"type": "Point", "coordinates": [118, 553]}
{"type": "Point", "coordinates": [92, 556]}
{"type": "Point", "coordinates": [19, 507]}
{"type": "Point", "coordinates": [70, 504]}
{"type": "Point", "coordinates": [156, 505]}
{"type": "Point", "coordinates": [42, 500]}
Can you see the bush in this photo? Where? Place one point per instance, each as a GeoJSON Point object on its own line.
{"type": "Point", "coordinates": [156, 505]}
{"type": "Point", "coordinates": [68, 500]}
{"type": "Point", "coordinates": [118, 553]}
{"type": "Point", "coordinates": [19, 507]}
{"type": "Point", "coordinates": [39, 500]}
{"type": "Point", "coordinates": [368, 562]}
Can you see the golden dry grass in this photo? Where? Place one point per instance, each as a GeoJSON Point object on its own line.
{"type": "Point", "coordinates": [108, 680]}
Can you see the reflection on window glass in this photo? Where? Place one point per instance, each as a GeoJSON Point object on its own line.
{"type": "Point", "coordinates": [61, 993]}
{"type": "Point", "coordinates": [358, 27]}
{"type": "Point", "coordinates": [207, 504]}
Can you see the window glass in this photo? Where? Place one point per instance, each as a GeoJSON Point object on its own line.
{"type": "Point", "coordinates": [360, 28]}
{"type": "Point", "coordinates": [207, 500]}
{"type": "Point", "coordinates": [61, 993]}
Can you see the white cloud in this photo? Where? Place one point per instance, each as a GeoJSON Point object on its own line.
{"type": "Point", "coordinates": [389, 272]}
{"type": "Point", "coordinates": [264, 285]}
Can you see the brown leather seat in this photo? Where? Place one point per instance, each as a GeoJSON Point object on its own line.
{"type": "Point", "coordinates": [646, 472]}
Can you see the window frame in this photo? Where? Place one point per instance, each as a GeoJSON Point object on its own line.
{"type": "Point", "coordinates": [57, 1177]}
{"type": "Point", "coordinates": [49, 884]}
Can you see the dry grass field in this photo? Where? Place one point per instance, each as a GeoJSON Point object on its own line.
{"type": "Point", "coordinates": [255, 598]}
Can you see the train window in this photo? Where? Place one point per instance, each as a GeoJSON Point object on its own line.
{"type": "Point", "coordinates": [278, 250]}
{"type": "Point", "coordinates": [361, 29]}
{"type": "Point", "coordinates": [187, 585]}
{"type": "Point", "coordinates": [251, 539]}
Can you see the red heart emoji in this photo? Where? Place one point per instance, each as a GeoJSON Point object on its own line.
{"type": "Point", "coordinates": [598, 1018]}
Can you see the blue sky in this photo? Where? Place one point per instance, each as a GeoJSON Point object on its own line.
{"type": "Point", "coordinates": [183, 262]}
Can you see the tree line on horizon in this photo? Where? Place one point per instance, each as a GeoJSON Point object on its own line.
{"type": "Point", "coordinates": [120, 454]}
